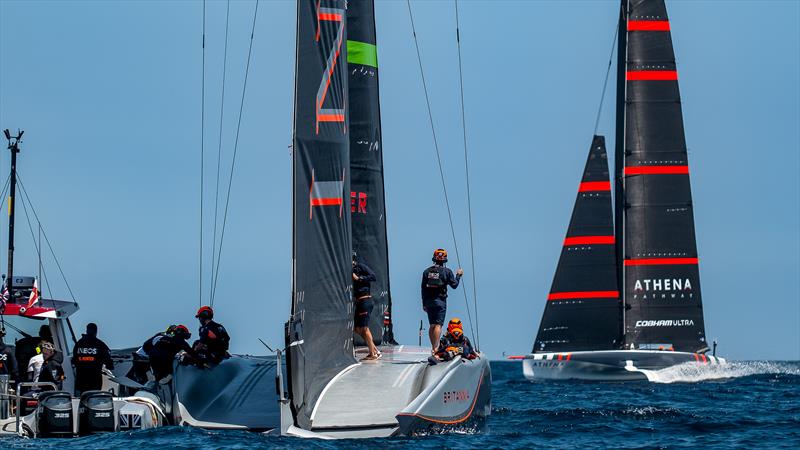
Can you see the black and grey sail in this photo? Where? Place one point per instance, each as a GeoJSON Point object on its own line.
{"type": "Point", "coordinates": [367, 198]}
{"type": "Point", "coordinates": [583, 307]}
{"type": "Point", "coordinates": [319, 332]}
{"type": "Point", "coordinates": [661, 279]}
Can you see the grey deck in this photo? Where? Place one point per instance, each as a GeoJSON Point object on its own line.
{"type": "Point", "coordinates": [372, 393]}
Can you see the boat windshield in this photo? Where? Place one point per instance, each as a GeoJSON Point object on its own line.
{"type": "Point", "coordinates": [21, 327]}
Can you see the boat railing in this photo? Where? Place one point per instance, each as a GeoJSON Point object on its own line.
{"type": "Point", "coordinates": [19, 397]}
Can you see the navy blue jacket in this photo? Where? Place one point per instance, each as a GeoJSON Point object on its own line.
{"type": "Point", "coordinates": [365, 277]}
{"type": "Point", "coordinates": [448, 279]}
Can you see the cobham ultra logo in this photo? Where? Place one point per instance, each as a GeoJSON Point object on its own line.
{"type": "Point", "coordinates": [662, 288]}
{"type": "Point", "coordinates": [665, 323]}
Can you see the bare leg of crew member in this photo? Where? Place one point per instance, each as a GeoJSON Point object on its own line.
{"type": "Point", "coordinates": [365, 333]}
{"type": "Point", "coordinates": [434, 333]}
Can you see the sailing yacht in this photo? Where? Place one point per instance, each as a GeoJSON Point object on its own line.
{"type": "Point", "coordinates": [625, 299]}
{"type": "Point", "coordinates": [337, 156]}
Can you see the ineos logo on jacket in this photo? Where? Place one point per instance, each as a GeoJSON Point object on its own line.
{"type": "Point", "coordinates": [87, 351]}
{"type": "Point", "coordinates": [3, 357]}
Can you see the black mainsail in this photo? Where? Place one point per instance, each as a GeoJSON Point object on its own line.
{"type": "Point", "coordinates": [648, 253]}
{"type": "Point", "coordinates": [367, 198]}
{"type": "Point", "coordinates": [583, 307]}
{"type": "Point", "coordinates": [320, 329]}
{"type": "Point", "coordinates": [661, 279]}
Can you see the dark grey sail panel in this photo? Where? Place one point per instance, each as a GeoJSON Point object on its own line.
{"type": "Point", "coordinates": [583, 310]}
{"type": "Point", "coordinates": [319, 332]}
{"type": "Point", "coordinates": [367, 198]}
{"type": "Point", "coordinates": [662, 286]}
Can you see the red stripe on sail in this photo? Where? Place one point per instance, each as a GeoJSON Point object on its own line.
{"type": "Point", "coordinates": [652, 75]}
{"type": "Point", "coordinates": [660, 261]}
{"type": "Point", "coordinates": [587, 240]}
{"type": "Point", "coordinates": [330, 117]}
{"type": "Point", "coordinates": [583, 294]}
{"type": "Point", "coordinates": [330, 16]}
{"type": "Point", "coordinates": [594, 186]}
{"type": "Point", "coordinates": [657, 170]}
{"type": "Point", "coordinates": [648, 25]}
{"type": "Point", "coordinates": [325, 201]}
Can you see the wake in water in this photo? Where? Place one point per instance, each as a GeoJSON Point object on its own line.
{"type": "Point", "coordinates": [692, 372]}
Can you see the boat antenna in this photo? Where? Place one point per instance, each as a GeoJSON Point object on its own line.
{"type": "Point", "coordinates": [13, 146]}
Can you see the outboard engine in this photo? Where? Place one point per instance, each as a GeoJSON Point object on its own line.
{"type": "Point", "coordinates": [96, 413]}
{"type": "Point", "coordinates": [54, 414]}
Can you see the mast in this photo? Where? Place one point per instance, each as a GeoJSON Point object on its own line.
{"type": "Point", "coordinates": [619, 160]}
{"type": "Point", "coordinates": [13, 146]}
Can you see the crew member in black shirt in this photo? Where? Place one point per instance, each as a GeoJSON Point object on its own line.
{"type": "Point", "coordinates": [8, 362]}
{"type": "Point", "coordinates": [213, 343]}
{"type": "Point", "coordinates": [435, 280]}
{"type": "Point", "coordinates": [363, 276]}
{"type": "Point", "coordinates": [163, 350]}
{"type": "Point", "coordinates": [88, 358]}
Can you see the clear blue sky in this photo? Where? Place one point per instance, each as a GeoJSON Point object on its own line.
{"type": "Point", "coordinates": [109, 96]}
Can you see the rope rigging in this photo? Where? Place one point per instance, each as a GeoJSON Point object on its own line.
{"type": "Point", "coordinates": [235, 149]}
{"type": "Point", "coordinates": [202, 150]}
{"type": "Point", "coordinates": [466, 171]}
{"type": "Point", "coordinates": [46, 239]}
{"type": "Point", "coordinates": [219, 144]}
{"type": "Point", "coordinates": [438, 158]}
{"type": "Point", "coordinates": [605, 83]}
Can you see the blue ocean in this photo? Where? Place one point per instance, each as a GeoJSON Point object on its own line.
{"type": "Point", "coordinates": [742, 405]}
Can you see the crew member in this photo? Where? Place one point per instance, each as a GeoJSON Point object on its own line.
{"type": "Point", "coordinates": [163, 351]}
{"type": "Point", "coordinates": [8, 362]}
{"type": "Point", "coordinates": [213, 342]}
{"type": "Point", "coordinates": [28, 347]}
{"type": "Point", "coordinates": [141, 357]}
{"type": "Point", "coordinates": [88, 358]}
{"type": "Point", "coordinates": [454, 343]}
{"type": "Point", "coordinates": [44, 367]}
{"type": "Point", "coordinates": [363, 276]}
{"type": "Point", "coordinates": [435, 280]}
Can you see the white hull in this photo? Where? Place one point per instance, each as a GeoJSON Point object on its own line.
{"type": "Point", "coordinates": [608, 365]}
{"type": "Point", "coordinates": [400, 394]}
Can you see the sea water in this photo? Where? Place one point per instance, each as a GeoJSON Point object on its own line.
{"type": "Point", "coordinates": [740, 405]}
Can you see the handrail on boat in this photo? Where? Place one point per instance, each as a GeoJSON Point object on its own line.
{"type": "Point", "coordinates": [18, 396]}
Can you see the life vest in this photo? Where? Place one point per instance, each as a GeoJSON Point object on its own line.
{"type": "Point", "coordinates": [435, 278]}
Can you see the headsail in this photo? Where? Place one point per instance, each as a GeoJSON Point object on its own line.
{"type": "Point", "coordinates": [367, 199]}
{"type": "Point", "coordinates": [662, 285]}
{"type": "Point", "coordinates": [319, 332]}
{"type": "Point", "coordinates": [583, 307]}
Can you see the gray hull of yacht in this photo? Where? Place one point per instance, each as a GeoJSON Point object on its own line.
{"type": "Point", "coordinates": [401, 394]}
{"type": "Point", "coordinates": [608, 365]}
{"type": "Point", "coordinates": [238, 394]}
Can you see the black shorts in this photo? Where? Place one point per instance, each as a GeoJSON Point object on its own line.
{"type": "Point", "coordinates": [436, 310]}
{"type": "Point", "coordinates": [363, 310]}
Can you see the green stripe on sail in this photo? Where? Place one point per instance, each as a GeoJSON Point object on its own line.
{"type": "Point", "coordinates": [362, 53]}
